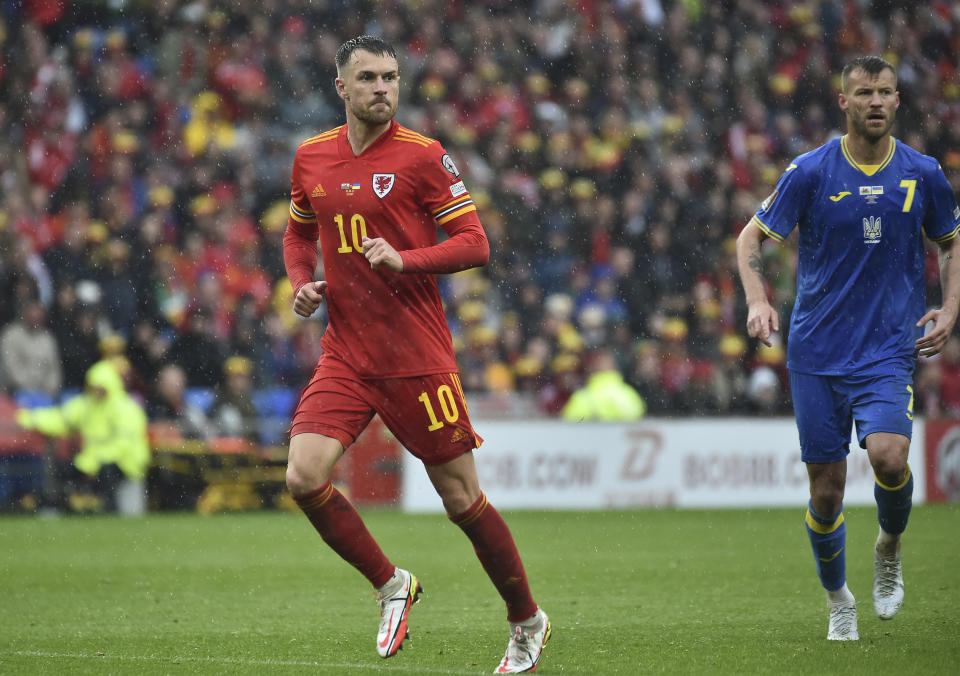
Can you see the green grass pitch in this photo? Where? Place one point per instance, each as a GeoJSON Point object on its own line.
{"type": "Point", "coordinates": [629, 592]}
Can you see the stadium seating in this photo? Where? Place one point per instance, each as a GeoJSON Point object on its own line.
{"type": "Point", "coordinates": [274, 406]}
{"type": "Point", "coordinates": [200, 397]}
{"type": "Point", "coordinates": [32, 399]}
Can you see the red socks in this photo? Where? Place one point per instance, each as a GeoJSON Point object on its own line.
{"type": "Point", "coordinates": [498, 554]}
{"type": "Point", "coordinates": [344, 531]}
{"type": "Point", "coordinates": [341, 528]}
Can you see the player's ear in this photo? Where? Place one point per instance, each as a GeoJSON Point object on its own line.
{"type": "Point", "coordinates": [341, 89]}
{"type": "Point", "coordinates": [842, 101]}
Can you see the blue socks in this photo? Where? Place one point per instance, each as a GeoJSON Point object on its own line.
{"type": "Point", "coordinates": [893, 504]}
{"type": "Point", "coordinates": [828, 537]}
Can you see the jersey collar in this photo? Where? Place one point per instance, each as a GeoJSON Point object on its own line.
{"type": "Point", "coordinates": [346, 151]}
{"type": "Point", "coordinates": [868, 169]}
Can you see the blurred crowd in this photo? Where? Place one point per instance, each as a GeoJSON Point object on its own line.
{"type": "Point", "coordinates": [614, 149]}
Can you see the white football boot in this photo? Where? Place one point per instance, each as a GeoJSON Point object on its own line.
{"type": "Point", "coordinates": [843, 622]}
{"type": "Point", "coordinates": [887, 585]}
{"type": "Point", "coordinates": [395, 599]}
{"type": "Point", "coordinates": [523, 651]}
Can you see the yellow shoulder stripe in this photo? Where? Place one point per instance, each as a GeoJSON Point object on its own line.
{"type": "Point", "coordinates": [325, 136]}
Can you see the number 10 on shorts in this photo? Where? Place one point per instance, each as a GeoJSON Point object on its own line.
{"type": "Point", "coordinates": [448, 405]}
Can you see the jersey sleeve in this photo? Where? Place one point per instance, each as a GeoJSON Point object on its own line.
{"type": "Point", "coordinates": [445, 197]}
{"type": "Point", "coordinates": [780, 213]}
{"type": "Point", "coordinates": [300, 254]}
{"type": "Point", "coordinates": [942, 220]}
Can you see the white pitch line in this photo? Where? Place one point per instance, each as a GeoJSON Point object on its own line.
{"type": "Point", "coordinates": [239, 662]}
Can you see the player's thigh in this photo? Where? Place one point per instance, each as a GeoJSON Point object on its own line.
{"type": "Point", "coordinates": [428, 415]}
{"type": "Point", "coordinates": [824, 419]}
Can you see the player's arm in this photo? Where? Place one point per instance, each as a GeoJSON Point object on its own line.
{"type": "Point", "coordinates": [762, 319]}
{"type": "Point", "coordinates": [300, 254]}
{"type": "Point", "coordinates": [945, 317]}
{"type": "Point", "coordinates": [300, 258]}
{"type": "Point", "coordinates": [467, 247]}
{"type": "Point", "coordinates": [444, 196]}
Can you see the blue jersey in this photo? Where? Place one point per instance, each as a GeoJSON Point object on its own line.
{"type": "Point", "coordinates": [861, 274]}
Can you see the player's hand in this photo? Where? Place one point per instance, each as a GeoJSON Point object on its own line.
{"type": "Point", "coordinates": [378, 252]}
{"type": "Point", "coordinates": [309, 298]}
{"type": "Point", "coordinates": [934, 341]}
{"type": "Point", "coordinates": [762, 322]}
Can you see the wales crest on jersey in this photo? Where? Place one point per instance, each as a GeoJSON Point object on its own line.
{"type": "Point", "coordinates": [871, 230]}
{"type": "Point", "coordinates": [383, 183]}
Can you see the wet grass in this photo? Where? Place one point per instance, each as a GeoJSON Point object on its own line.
{"type": "Point", "coordinates": [629, 592]}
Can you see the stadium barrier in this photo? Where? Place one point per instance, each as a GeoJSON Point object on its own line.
{"type": "Point", "coordinates": [530, 464]}
{"type": "Point", "coordinates": [235, 474]}
{"type": "Point", "coordinates": [746, 462]}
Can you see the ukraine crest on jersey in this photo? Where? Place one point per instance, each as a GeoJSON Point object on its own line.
{"type": "Point", "coordinates": [861, 272]}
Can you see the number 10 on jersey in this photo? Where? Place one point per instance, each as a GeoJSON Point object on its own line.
{"type": "Point", "coordinates": [358, 230]}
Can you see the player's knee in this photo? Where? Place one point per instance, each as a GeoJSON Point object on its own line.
{"type": "Point", "coordinates": [890, 466]}
{"type": "Point", "coordinates": [300, 480]}
{"type": "Point", "coordinates": [827, 499]}
{"type": "Point", "coordinates": [457, 499]}
{"type": "Point", "coordinates": [890, 470]}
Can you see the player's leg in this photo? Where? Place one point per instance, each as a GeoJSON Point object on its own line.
{"type": "Point", "coordinates": [429, 416]}
{"type": "Point", "coordinates": [825, 523]}
{"type": "Point", "coordinates": [458, 487]}
{"type": "Point", "coordinates": [309, 468]}
{"type": "Point", "coordinates": [318, 440]}
{"type": "Point", "coordinates": [893, 490]}
{"type": "Point", "coordinates": [884, 416]}
{"type": "Point", "coordinates": [824, 424]}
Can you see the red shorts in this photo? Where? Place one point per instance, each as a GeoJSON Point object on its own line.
{"type": "Point", "coordinates": [427, 414]}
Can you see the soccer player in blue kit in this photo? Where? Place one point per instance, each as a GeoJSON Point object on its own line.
{"type": "Point", "coordinates": [862, 204]}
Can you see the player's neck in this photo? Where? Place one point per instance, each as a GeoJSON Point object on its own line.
{"type": "Point", "coordinates": [361, 135]}
{"type": "Point", "coordinates": [868, 151]}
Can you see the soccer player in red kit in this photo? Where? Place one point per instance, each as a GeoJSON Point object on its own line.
{"type": "Point", "coordinates": [373, 193]}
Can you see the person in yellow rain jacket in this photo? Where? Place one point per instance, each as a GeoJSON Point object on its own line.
{"type": "Point", "coordinates": [605, 397]}
{"type": "Point", "coordinates": [112, 427]}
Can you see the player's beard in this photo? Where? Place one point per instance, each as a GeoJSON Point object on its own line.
{"type": "Point", "coordinates": [872, 133]}
{"type": "Point", "coordinates": [375, 115]}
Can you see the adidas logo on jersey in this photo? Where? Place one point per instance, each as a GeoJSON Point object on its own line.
{"type": "Point", "coordinates": [318, 191]}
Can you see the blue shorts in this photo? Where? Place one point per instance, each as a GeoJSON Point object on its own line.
{"type": "Point", "coordinates": [827, 406]}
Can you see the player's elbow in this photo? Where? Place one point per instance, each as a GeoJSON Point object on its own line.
{"type": "Point", "coordinates": [483, 252]}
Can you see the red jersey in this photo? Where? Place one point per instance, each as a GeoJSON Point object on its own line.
{"type": "Point", "coordinates": [383, 324]}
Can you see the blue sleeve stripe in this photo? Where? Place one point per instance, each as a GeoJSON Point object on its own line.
{"type": "Point", "coordinates": [766, 230]}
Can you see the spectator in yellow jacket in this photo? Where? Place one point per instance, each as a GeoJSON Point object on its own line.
{"type": "Point", "coordinates": [605, 396]}
{"type": "Point", "coordinates": [112, 427]}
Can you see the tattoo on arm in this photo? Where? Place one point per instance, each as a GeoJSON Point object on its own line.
{"type": "Point", "coordinates": [755, 262]}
